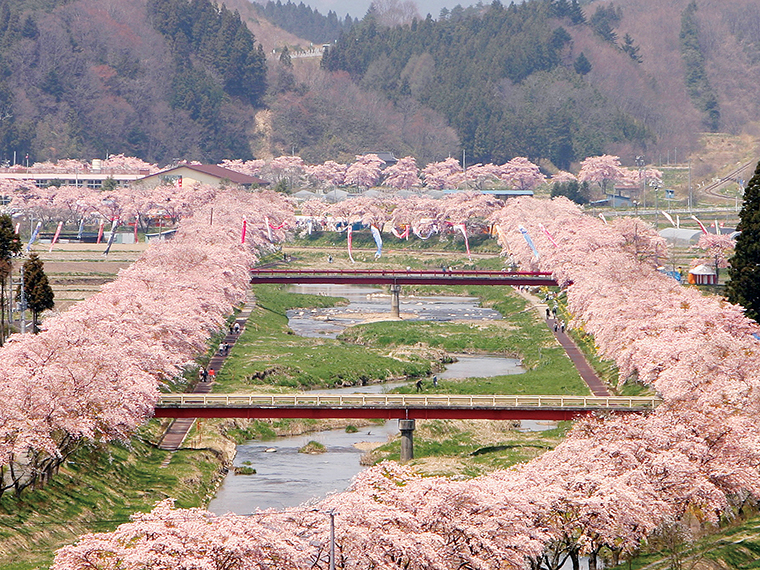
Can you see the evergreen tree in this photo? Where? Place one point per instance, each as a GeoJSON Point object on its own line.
{"type": "Point", "coordinates": [10, 244]}
{"type": "Point", "coordinates": [743, 287]}
{"type": "Point", "coordinates": [39, 294]}
{"type": "Point", "coordinates": [581, 64]}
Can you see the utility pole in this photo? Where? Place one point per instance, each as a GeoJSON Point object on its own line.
{"type": "Point", "coordinates": [690, 186]}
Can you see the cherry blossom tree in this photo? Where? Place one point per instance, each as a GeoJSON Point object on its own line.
{"type": "Point", "coordinates": [289, 168]}
{"type": "Point", "coordinates": [403, 175]}
{"type": "Point", "coordinates": [522, 174]}
{"type": "Point", "coordinates": [249, 167]}
{"type": "Point", "coordinates": [439, 175]}
{"type": "Point", "coordinates": [717, 248]}
{"type": "Point", "coordinates": [563, 176]}
{"type": "Point", "coordinates": [604, 170]}
{"type": "Point", "coordinates": [122, 163]}
{"type": "Point", "coordinates": [364, 171]}
{"type": "Point", "coordinates": [328, 174]}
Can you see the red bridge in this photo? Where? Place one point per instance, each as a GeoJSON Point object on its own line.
{"type": "Point", "coordinates": [396, 277]}
{"type": "Point", "coordinates": [405, 407]}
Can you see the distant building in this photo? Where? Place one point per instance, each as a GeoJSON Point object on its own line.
{"type": "Point", "coordinates": [92, 178]}
{"type": "Point", "coordinates": [387, 158]}
{"type": "Point", "coordinates": [681, 236]}
{"type": "Point", "coordinates": [190, 174]}
{"type": "Point", "coordinates": [502, 194]}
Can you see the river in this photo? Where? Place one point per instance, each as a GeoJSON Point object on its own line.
{"type": "Point", "coordinates": [286, 478]}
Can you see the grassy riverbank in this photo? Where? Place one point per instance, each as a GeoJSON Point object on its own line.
{"type": "Point", "coordinates": [268, 354]}
{"type": "Point", "coordinates": [97, 489]}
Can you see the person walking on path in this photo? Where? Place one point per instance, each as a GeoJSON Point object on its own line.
{"type": "Point", "coordinates": [435, 381]}
{"type": "Point", "coordinates": [419, 385]}
{"type": "Point", "coordinates": [212, 374]}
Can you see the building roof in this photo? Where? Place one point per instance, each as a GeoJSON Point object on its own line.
{"type": "Point", "coordinates": [702, 270]}
{"type": "Point", "coordinates": [219, 172]}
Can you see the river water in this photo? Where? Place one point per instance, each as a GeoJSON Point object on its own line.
{"type": "Point", "coordinates": [286, 478]}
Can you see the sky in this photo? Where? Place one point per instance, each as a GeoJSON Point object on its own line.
{"type": "Point", "coordinates": [357, 8]}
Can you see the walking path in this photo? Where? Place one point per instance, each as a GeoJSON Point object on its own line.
{"type": "Point", "coordinates": [179, 428]}
{"type": "Point", "coordinates": [594, 383]}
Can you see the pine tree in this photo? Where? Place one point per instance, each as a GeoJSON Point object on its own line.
{"type": "Point", "coordinates": [39, 294]}
{"type": "Point", "coordinates": [10, 244]}
{"type": "Point", "coordinates": [743, 286]}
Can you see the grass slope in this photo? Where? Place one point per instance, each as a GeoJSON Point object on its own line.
{"type": "Point", "coordinates": [96, 490]}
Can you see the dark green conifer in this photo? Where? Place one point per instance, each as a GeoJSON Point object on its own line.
{"type": "Point", "coordinates": [10, 244]}
{"type": "Point", "coordinates": [37, 289]}
{"type": "Point", "coordinates": [743, 286]}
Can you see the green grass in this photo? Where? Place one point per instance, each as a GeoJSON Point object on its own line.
{"type": "Point", "coordinates": [268, 353]}
{"type": "Point", "coordinates": [522, 334]}
{"type": "Point", "coordinates": [467, 451]}
{"type": "Point", "coordinates": [97, 489]}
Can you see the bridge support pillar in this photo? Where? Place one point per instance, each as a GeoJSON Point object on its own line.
{"type": "Point", "coordinates": [406, 427]}
{"type": "Point", "coordinates": [395, 292]}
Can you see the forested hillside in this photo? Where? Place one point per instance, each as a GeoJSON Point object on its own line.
{"type": "Point", "coordinates": [558, 80]}
{"type": "Point", "coordinates": [554, 80]}
{"type": "Point", "coordinates": [507, 79]}
{"type": "Point", "coordinates": [305, 22]}
{"type": "Point", "coordinates": [160, 80]}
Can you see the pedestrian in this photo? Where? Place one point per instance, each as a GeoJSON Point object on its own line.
{"type": "Point", "coordinates": [419, 385]}
{"type": "Point", "coordinates": [221, 349]}
{"type": "Point", "coordinates": [563, 326]}
{"type": "Point", "coordinates": [236, 328]}
{"type": "Point", "coordinates": [211, 374]}
{"type": "Point", "coordinates": [202, 374]}
{"type": "Point", "coordinates": [226, 349]}
{"type": "Point", "coordinates": [547, 312]}
{"type": "Point", "coordinates": [554, 312]}
{"type": "Point", "coordinates": [329, 259]}
{"type": "Point", "coordinates": [555, 327]}
{"type": "Point", "coordinates": [435, 381]}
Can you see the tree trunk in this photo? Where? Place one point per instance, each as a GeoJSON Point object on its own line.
{"type": "Point", "coordinates": [592, 560]}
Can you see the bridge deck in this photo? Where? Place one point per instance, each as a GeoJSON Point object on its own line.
{"type": "Point", "coordinates": [396, 277]}
{"type": "Point", "coordinates": [397, 406]}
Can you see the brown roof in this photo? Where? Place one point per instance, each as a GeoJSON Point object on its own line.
{"type": "Point", "coordinates": [221, 172]}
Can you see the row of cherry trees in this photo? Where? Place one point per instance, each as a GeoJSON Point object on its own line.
{"type": "Point", "coordinates": [367, 171]}
{"type": "Point", "coordinates": [611, 484]}
{"type": "Point", "coordinates": [93, 373]}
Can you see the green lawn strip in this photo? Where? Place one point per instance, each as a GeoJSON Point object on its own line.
{"type": "Point", "coordinates": [268, 353]}
{"type": "Point", "coordinates": [97, 489]}
{"type": "Point", "coordinates": [471, 448]}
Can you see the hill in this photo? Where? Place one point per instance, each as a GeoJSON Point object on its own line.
{"type": "Point", "coordinates": [159, 79]}
{"type": "Point", "coordinates": [553, 80]}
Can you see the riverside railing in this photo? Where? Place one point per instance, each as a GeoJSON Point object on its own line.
{"type": "Point", "coordinates": [633, 403]}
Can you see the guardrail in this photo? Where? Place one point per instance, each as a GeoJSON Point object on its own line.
{"type": "Point", "coordinates": [406, 401]}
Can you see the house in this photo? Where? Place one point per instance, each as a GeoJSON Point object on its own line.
{"type": "Point", "coordinates": [190, 174]}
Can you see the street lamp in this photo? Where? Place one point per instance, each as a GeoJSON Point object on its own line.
{"type": "Point", "coordinates": [331, 513]}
